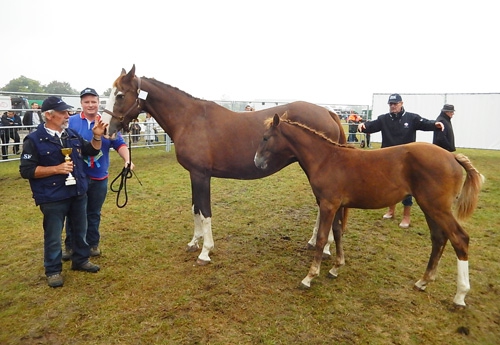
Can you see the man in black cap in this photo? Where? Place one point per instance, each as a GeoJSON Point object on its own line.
{"type": "Point", "coordinates": [399, 127]}
{"type": "Point", "coordinates": [445, 138]}
{"type": "Point", "coordinates": [44, 165]}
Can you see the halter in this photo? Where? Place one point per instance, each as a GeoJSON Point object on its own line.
{"type": "Point", "coordinates": [136, 103]}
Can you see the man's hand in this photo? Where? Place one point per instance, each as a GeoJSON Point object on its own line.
{"type": "Point", "coordinates": [99, 128]}
{"type": "Point", "coordinates": [440, 125]}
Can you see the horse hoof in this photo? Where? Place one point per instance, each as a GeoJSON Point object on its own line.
{"type": "Point", "coordinates": [191, 249]}
{"type": "Point", "coordinates": [332, 276]}
{"type": "Point", "coordinates": [418, 288]}
{"type": "Point", "coordinates": [326, 256]}
{"type": "Point", "coordinates": [310, 247]}
{"type": "Point", "coordinates": [458, 307]}
{"type": "Point", "coordinates": [200, 262]}
{"type": "Point", "coordinates": [303, 286]}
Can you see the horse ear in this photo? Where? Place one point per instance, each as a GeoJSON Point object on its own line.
{"type": "Point", "coordinates": [130, 75]}
{"type": "Point", "coordinates": [276, 120]}
{"type": "Point", "coordinates": [123, 71]}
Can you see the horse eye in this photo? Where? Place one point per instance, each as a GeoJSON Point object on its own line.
{"type": "Point", "coordinates": [120, 96]}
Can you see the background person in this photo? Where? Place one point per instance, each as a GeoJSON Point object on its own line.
{"type": "Point", "coordinates": [353, 119]}
{"type": "Point", "coordinates": [399, 127]}
{"type": "Point", "coordinates": [445, 138]}
{"type": "Point", "coordinates": [149, 130]}
{"type": "Point", "coordinates": [249, 107]}
{"type": "Point", "coordinates": [9, 120]}
{"type": "Point", "coordinates": [33, 117]}
{"type": "Point", "coordinates": [96, 168]}
{"type": "Point", "coordinates": [44, 165]}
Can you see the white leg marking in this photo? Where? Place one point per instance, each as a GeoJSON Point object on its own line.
{"type": "Point", "coordinates": [198, 231]}
{"type": "Point", "coordinates": [208, 241]}
{"type": "Point", "coordinates": [312, 241]}
{"type": "Point", "coordinates": [421, 284]}
{"type": "Point", "coordinates": [463, 285]}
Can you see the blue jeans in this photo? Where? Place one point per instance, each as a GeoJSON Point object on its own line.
{"type": "Point", "coordinates": [96, 195]}
{"type": "Point", "coordinates": [53, 222]}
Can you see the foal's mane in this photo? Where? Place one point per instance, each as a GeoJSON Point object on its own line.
{"type": "Point", "coordinates": [269, 122]}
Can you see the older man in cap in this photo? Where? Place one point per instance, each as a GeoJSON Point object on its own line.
{"type": "Point", "coordinates": [445, 138]}
{"type": "Point", "coordinates": [47, 168]}
{"type": "Point", "coordinates": [399, 127]}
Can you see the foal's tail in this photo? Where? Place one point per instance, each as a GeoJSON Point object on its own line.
{"type": "Point", "coordinates": [467, 201]}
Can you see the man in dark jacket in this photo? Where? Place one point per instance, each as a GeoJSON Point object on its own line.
{"type": "Point", "coordinates": [47, 168]}
{"type": "Point", "coordinates": [33, 117]}
{"type": "Point", "coordinates": [399, 127]}
{"type": "Point", "coordinates": [445, 138]}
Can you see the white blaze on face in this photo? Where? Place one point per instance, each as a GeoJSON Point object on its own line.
{"type": "Point", "coordinates": [105, 117]}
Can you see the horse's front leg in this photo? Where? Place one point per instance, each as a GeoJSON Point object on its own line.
{"type": "Point", "coordinates": [202, 213]}
{"type": "Point", "coordinates": [311, 244]}
{"type": "Point", "coordinates": [326, 218]}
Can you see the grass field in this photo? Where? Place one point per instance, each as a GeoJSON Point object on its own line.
{"type": "Point", "coordinates": [149, 290]}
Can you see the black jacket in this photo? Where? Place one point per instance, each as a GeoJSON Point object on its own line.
{"type": "Point", "coordinates": [445, 138]}
{"type": "Point", "coordinates": [28, 117]}
{"type": "Point", "coordinates": [399, 128]}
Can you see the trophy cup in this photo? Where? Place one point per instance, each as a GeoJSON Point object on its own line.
{"type": "Point", "coordinates": [66, 151]}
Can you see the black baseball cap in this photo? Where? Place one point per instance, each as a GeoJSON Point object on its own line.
{"type": "Point", "coordinates": [395, 98]}
{"type": "Point", "coordinates": [88, 91]}
{"type": "Point", "coordinates": [55, 103]}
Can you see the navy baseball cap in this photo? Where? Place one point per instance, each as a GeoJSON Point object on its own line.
{"type": "Point", "coordinates": [88, 91]}
{"type": "Point", "coordinates": [55, 103]}
{"type": "Point", "coordinates": [395, 98]}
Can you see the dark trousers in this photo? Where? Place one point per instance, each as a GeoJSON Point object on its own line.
{"type": "Point", "coordinates": [54, 214]}
{"type": "Point", "coordinates": [6, 135]}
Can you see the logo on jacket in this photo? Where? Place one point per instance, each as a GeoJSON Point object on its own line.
{"type": "Point", "coordinates": [406, 125]}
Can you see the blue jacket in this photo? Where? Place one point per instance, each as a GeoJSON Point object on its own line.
{"type": "Point", "coordinates": [95, 167]}
{"type": "Point", "coordinates": [400, 128]}
{"type": "Point", "coordinates": [42, 149]}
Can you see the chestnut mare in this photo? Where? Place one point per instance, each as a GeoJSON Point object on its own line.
{"type": "Point", "coordinates": [210, 140]}
{"type": "Point", "coordinates": [384, 177]}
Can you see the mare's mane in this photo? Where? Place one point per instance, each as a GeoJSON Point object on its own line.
{"type": "Point", "coordinates": [269, 122]}
{"type": "Point", "coordinates": [156, 82]}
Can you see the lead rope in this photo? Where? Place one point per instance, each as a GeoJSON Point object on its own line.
{"type": "Point", "coordinates": [125, 174]}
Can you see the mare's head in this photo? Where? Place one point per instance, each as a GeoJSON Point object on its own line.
{"type": "Point", "coordinates": [272, 143]}
{"type": "Point", "coordinates": [124, 103]}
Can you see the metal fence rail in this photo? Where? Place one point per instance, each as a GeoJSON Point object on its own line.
{"type": "Point", "coordinates": [8, 145]}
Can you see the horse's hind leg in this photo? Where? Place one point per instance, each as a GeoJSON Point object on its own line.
{"type": "Point", "coordinates": [339, 249]}
{"type": "Point", "coordinates": [438, 239]}
{"type": "Point", "coordinates": [447, 227]}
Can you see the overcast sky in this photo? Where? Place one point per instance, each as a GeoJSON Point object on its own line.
{"type": "Point", "coordinates": [335, 52]}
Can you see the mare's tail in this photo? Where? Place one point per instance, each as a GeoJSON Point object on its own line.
{"type": "Point", "coordinates": [336, 118]}
{"type": "Point", "coordinates": [467, 201]}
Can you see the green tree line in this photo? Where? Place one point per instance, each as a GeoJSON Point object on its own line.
{"type": "Point", "coordinates": [24, 84]}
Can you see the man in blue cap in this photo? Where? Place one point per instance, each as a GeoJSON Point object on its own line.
{"type": "Point", "coordinates": [399, 127]}
{"type": "Point", "coordinates": [47, 169]}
